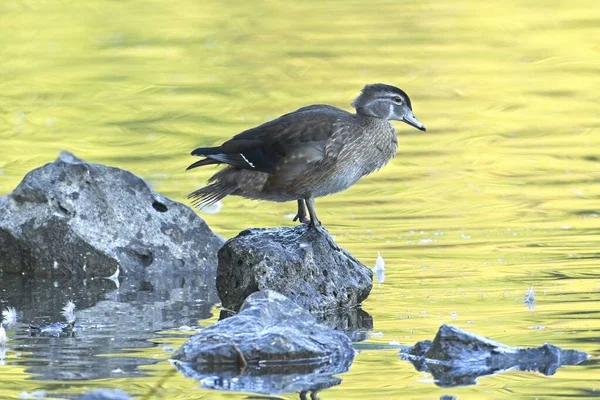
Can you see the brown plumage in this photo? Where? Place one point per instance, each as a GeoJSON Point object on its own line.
{"type": "Point", "coordinates": [311, 152]}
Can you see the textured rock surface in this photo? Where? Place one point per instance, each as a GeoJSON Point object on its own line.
{"type": "Point", "coordinates": [70, 217]}
{"type": "Point", "coordinates": [297, 262]}
{"type": "Point", "coordinates": [457, 357]}
{"type": "Point", "coordinates": [271, 346]}
{"type": "Point", "coordinates": [269, 328]}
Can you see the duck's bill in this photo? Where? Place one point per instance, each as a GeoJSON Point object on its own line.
{"type": "Point", "coordinates": [414, 122]}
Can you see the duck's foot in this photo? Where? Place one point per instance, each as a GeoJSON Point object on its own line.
{"type": "Point", "coordinates": [319, 228]}
{"type": "Point", "coordinates": [302, 214]}
{"type": "Point", "coordinates": [302, 219]}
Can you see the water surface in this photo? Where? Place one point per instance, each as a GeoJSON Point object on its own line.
{"type": "Point", "coordinates": [501, 194]}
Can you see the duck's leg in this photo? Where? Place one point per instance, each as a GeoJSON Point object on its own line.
{"type": "Point", "coordinates": [316, 224]}
{"type": "Point", "coordinates": [302, 214]}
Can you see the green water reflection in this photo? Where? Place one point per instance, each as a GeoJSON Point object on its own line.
{"type": "Point", "coordinates": [502, 193]}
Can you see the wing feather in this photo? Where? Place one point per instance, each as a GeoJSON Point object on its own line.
{"type": "Point", "coordinates": [263, 148]}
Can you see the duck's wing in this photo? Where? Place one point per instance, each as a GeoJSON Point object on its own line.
{"type": "Point", "coordinates": [310, 130]}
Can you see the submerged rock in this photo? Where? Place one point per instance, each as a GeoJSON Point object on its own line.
{"type": "Point", "coordinates": [297, 262]}
{"type": "Point", "coordinates": [71, 217]}
{"type": "Point", "coordinates": [271, 346]}
{"type": "Point", "coordinates": [457, 357]}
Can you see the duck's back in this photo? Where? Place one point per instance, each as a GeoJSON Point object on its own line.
{"type": "Point", "coordinates": [331, 151]}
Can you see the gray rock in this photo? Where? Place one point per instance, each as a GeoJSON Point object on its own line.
{"type": "Point", "coordinates": [271, 346]}
{"type": "Point", "coordinates": [457, 357]}
{"type": "Point", "coordinates": [297, 262]}
{"type": "Point", "coordinates": [70, 217]}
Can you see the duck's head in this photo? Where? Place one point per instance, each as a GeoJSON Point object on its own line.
{"type": "Point", "coordinates": [387, 102]}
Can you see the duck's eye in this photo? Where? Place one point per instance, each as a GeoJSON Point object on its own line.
{"type": "Point", "coordinates": [397, 100]}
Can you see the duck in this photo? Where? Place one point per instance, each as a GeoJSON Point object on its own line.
{"type": "Point", "coordinates": [312, 152]}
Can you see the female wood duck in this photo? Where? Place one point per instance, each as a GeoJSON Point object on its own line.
{"type": "Point", "coordinates": [311, 152]}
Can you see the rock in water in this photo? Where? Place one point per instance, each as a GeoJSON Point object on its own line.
{"type": "Point", "coordinates": [457, 357]}
{"type": "Point", "coordinates": [297, 262]}
{"type": "Point", "coordinates": [70, 217]}
{"type": "Point", "coordinates": [271, 346]}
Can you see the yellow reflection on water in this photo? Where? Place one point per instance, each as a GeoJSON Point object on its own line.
{"type": "Point", "coordinates": [502, 193]}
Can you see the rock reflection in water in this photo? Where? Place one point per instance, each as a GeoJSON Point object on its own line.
{"type": "Point", "coordinates": [271, 380]}
{"type": "Point", "coordinates": [355, 322]}
{"type": "Point", "coordinates": [108, 320]}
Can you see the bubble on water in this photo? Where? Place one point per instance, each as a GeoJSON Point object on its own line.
{"type": "Point", "coordinates": [9, 316]}
{"type": "Point", "coordinates": [115, 277]}
{"type": "Point", "coordinates": [3, 336]}
{"type": "Point", "coordinates": [213, 208]}
{"type": "Point", "coordinates": [529, 299]}
{"type": "Point", "coordinates": [379, 269]}
{"type": "Point", "coordinates": [68, 311]}
{"type": "Point", "coordinates": [537, 327]}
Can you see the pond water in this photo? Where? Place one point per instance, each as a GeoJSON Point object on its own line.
{"type": "Point", "coordinates": [501, 194]}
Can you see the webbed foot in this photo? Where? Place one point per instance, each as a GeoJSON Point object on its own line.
{"type": "Point", "coordinates": [302, 214]}
{"type": "Point", "coordinates": [302, 219]}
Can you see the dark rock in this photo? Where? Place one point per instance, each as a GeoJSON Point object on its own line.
{"type": "Point", "coordinates": [70, 217]}
{"type": "Point", "coordinates": [272, 346]}
{"type": "Point", "coordinates": [456, 357]}
{"type": "Point", "coordinates": [105, 394]}
{"type": "Point", "coordinates": [297, 262]}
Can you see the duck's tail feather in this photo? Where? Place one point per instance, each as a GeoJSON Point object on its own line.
{"type": "Point", "coordinates": [210, 194]}
{"type": "Point", "coordinates": [200, 163]}
{"type": "Point", "coordinates": [206, 151]}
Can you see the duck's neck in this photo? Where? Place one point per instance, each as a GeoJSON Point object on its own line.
{"type": "Point", "coordinates": [366, 112]}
